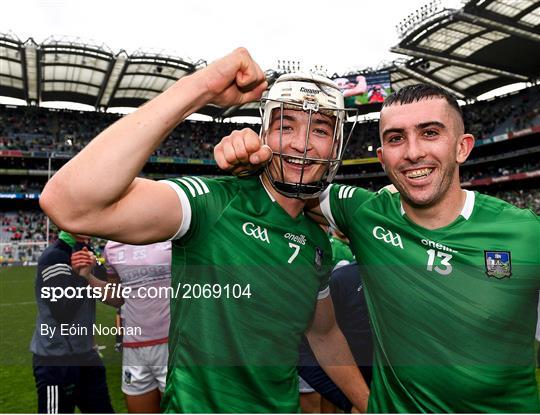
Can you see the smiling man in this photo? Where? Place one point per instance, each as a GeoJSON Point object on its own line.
{"type": "Point", "coordinates": [451, 276]}
{"type": "Point", "coordinates": [249, 270]}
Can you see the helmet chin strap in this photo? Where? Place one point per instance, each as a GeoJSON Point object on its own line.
{"type": "Point", "coordinates": [295, 190]}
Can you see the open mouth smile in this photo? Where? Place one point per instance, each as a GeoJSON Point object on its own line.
{"type": "Point", "coordinates": [418, 173]}
{"type": "Point", "coordinates": [297, 161]}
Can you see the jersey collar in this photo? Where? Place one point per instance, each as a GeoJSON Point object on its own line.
{"type": "Point", "coordinates": [266, 190]}
{"type": "Point", "coordinates": [467, 209]}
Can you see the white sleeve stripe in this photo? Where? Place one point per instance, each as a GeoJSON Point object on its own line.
{"type": "Point", "coordinates": [203, 184]}
{"type": "Point", "coordinates": [350, 193]}
{"type": "Point", "coordinates": [198, 188]}
{"type": "Point", "coordinates": [57, 273]}
{"type": "Point", "coordinates": [186, 209]}
{"type": "Point", "coordinates": [340, 193]}
{"type": "Point", "coordinates": [324, 203]}
{"type": "Point", "coordinates": [54, 268]}
{"type": "Point", "coordinates": [323, 293]}
{"type": "Point", "coordinates": [191, 189]}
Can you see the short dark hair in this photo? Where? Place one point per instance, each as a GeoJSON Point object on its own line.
{"type": "Point", "coordinates": [414, 93]}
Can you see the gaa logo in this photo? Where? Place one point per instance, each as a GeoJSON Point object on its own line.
{"type": "Point", "coordinates": [387, 236]}
{"type": "Point", "coordinates": [250, 229]}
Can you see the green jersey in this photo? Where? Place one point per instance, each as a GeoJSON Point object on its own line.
{"type": "Point", "coordinates": [341, 253]}
{"type": "Point", "coordinates": [247, 277]}
{"type": "Point", "coordinates": [453, 310]}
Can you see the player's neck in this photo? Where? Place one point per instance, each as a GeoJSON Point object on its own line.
{"type": "Point", "coordinates": [442, 214]}
{"type": "Point", "coordinates": [292, 206]}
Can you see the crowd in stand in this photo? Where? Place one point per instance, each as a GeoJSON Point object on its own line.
{"type": "Point", "coordinates": [22, 186]}
{"type": "Point", "coordinates": [482, 171]}
{"type": "Point", "coordinates": [500, 115]}
{"type": "Point", "coordinates": [526, 199]}
{"type": "Point", "coordinates": [41, 129]}
{"type": "Point", "coordinates": [22, 236]}
{"type": "Point", "coordinates": [62, 131]}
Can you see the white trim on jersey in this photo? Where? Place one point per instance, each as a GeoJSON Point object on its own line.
{"type": "Point", "coordinates": [346, 192]}
{"type": "Point", "coordinates": [467, 209]}
{"type": "Point", "coordinates": [324, 203]}
{"type": "Point", "coordinates": [55, 270]}
{"type": "Point", "coordinates": [200, 187]}
{"type": "Point", "coordinates": [323, 293]}
{"type": "Point", "coordinates": [186, 208]}
{"type": "Point", "coordinates": [267, 191]}
{"type": "Point", "coordinates": [202, 183]}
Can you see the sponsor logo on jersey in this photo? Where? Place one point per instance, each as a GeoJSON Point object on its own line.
{"type": "Point", "coordinates": [387, 236]}
{"type": "Point", "coordinates": [318, 258]}
{"type": "Point", "coordinates": [301, 239]}
{"type": "Point", "coordinates": [498, 264]}
{"type": "Point", "coordinates": [250, 229]}
{"type": "Point", "coordinates": [438, 246]}
{"type": "Point", "coordinates": [346, 192]}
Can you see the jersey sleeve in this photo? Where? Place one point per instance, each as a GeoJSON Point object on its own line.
{"type": "Point", "coordinates": [55, 272]}
{"type": "Point", "coordinates": [203, 201]}
{"type": "Point", "coordinates": [339, 202]}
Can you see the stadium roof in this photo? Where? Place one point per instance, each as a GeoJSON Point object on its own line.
{"type": "Point", "coordinates": [72, 70]}
{"type": "Point", "coordinates": [485, 45]}
{"type": "Point", "coordinates": [482, 46]}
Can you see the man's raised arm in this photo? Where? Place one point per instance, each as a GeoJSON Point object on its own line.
{"type": "Point", "coordinates": [97, 192]}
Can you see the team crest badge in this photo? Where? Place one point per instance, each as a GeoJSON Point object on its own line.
{"type": "Point", "coordinates": [498, 264]}
{"type": "Point", "coordinates": [127, 377]}
{"type": "Point", "coordinates": [318, 258]}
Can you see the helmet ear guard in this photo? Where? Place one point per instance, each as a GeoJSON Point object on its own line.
{"type": "Point", "coordinates": [312, 94]}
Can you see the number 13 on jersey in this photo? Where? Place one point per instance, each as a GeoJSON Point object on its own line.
{"type": "Point", "coordinates": [444, 267]}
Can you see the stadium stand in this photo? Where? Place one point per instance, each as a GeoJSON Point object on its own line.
{"type": "Point", "coordinates": [30, 137]}
{"type": "Point", "coordinates": [40, 129]}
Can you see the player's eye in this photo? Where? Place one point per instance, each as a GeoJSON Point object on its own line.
{"type": "Point", "coordinates": [321, 132]}
{"type": "Point", "coordinates": [431, 133]}
{"type": "Point", "coordinates": [395, 139]}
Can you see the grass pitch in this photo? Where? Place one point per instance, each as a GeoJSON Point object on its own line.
{"type": "Point", "coordinates": [17, 323]}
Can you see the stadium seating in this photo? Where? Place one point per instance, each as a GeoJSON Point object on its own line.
{"type": "Point", "coordinates": [44, 131]}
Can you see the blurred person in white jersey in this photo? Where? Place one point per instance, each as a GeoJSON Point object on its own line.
{"type": "Point", "coordinates": [146, 270]}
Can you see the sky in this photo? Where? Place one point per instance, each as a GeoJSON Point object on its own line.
{"type": "Point", "coordinates": [339, 35]}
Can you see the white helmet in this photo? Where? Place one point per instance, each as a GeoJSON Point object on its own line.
{"type": "Point", "coordinates": [310, 93]}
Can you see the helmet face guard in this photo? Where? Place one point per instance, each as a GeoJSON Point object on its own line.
{"type": "Point", "coordinates": [311, 94]}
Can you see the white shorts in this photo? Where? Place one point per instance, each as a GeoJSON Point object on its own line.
{"type": "Point", "coordinates": [144, 368]}
{"type": "Point", "coordinates": [303, 386]}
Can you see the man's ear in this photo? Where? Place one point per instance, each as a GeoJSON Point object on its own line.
{"type": "Point", "coordinates": [379, 156]}
{"type": "Point", "coordinates": [464, 147]}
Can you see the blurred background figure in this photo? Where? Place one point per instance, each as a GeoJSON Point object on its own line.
{"type": "Point", "coordinates": [67, 369]}
{"type": "Point", "coordinates": [146, 269]}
